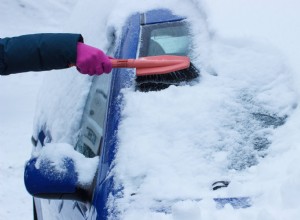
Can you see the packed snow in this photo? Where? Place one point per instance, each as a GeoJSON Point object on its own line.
{"type": "Point", "coordinates": [57, 153]}
{"type": "Point", "coordinates": [239, 122]}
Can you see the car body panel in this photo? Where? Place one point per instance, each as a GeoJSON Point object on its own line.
{"type": "Point", "coordinates": [159, 16]}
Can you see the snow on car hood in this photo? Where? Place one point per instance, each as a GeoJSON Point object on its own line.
{"type": "Point", "coordinates": [175, 143]}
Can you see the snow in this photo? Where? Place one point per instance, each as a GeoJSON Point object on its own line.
{"type": "Point", "coordinates": [182, 143]}
{"type": "Point", "coordinates": [56, 153]}
{"type": "Point", "coordinates": [52, 108]}
{"type": "Point", "coordinates": [173, 144]}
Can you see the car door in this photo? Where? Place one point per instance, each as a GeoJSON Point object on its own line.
{"type": "Point", "coordinates": [89, 144]}
{"type": "Point", "coordinates": [90, 141]}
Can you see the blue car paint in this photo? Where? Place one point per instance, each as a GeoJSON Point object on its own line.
{"type": "Point", "coordinates": [121, 78]}
{"type": "Point", "coordinates": [41, 137]}
{"type": "Point", "coordinates": [160, 16]}
{"type": "Point", "coordinates": [46, 176]}
{"type": "Point", "coordinates": [235, 202]}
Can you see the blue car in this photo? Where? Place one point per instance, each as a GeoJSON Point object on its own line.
{"type": "Point", "coordinates": [64, 198]}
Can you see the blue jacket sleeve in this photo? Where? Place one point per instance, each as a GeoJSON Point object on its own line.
{"type": "Point", "coordinates": [38, 52]}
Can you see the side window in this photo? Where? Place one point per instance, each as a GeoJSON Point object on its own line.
{"type": "Point", "coordinates": [92, 126]}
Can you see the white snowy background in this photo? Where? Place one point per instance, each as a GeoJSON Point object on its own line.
{"type": "Point", "coordinates": [254, 51]}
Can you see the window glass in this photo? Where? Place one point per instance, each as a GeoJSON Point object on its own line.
{"type": "Point", "coordinates": [171, 38]}
{"type": "Point", "coordinates": [92, 126]}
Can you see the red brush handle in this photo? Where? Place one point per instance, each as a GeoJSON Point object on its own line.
{"type": "Point", "coordinates": [141, 63]}
{"type": "Point", "coordinates": [119, 63]}
{"type": "Point", "coordinates": [153, 65]}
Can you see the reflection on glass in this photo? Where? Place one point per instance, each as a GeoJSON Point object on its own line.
{"type": "Point", "coordinates": [92, 125]}
{"type": "Point", "coordinates": [171, 38]}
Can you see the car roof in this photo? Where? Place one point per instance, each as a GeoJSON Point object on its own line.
{"type": "Point", "coordinates": [159, 16]}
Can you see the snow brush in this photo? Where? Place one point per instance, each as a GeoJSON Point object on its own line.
{"type": "Point", "coordinates": [153, 65]}
{"type": "Point", "coordinates": [154, 73]}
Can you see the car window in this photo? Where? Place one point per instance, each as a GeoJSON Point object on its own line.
{"type": "Point", "coordinates": [171, 38]}
{"type": "Point", "coordinates": [92, 125]}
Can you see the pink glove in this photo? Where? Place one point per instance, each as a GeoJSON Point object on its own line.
{"type": "Point", "coordinates": [91, 60]}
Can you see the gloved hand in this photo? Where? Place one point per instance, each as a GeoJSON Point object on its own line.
{"type": "Point", "coordinates": [91, 60]}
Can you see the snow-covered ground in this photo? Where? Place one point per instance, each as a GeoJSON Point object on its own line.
{"type": "Point", "coordinates": [208, 131]}
{"type": "Point", "coordinates": [18, 100]}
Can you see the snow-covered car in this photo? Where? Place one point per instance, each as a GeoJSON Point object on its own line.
{"type": "Point", "coordinates": [72, 185]}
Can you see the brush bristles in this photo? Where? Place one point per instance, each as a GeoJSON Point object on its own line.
{"type": "Point", "coordinates": [162, 81]}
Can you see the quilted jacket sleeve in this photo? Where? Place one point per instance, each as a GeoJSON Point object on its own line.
{"type": "Point", "coordinates": [38, 52]}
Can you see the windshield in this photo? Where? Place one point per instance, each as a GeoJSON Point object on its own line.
{"type": "Point", "coordinates": [170, 38]}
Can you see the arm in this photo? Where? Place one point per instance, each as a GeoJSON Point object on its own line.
{"type": "Point", "coordinates": [38, 52]}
